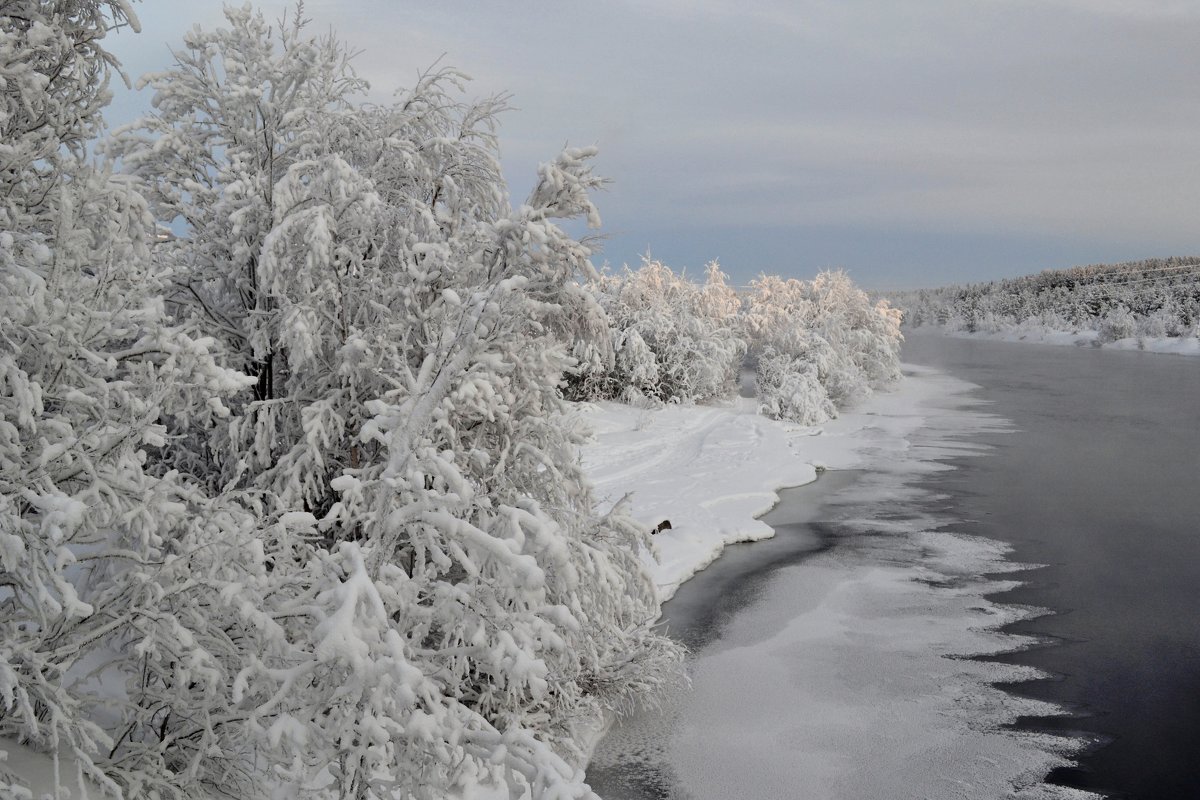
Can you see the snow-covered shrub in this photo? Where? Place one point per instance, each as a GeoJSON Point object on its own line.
{"type": "Point", "coordinates": [636, 367]}
{"type": "Point", "coordinates": [672, 339]}
{"type": "Point", "coordinates": [790, 388]}
{"type": "Point", "coordinates": [244, 159]}
{"type": "Point", "coordinates": [823, 344]}
{"type": "Point", "coordinates": [1049, 320]}
{"type": "Point", "coordinates": [1118, 323]}
{"type": "Point", "coordinates": [102, 550]}
{"type": "Point", "coordinates": [955, 322]}
{"type": "Point", "coordinates": [54, 74]}
{"type": "Point", "coordinates": [1161, 323]}
{"type": "Point", "coordinates": [865, 337]}
{"type": "Point", "coordinates": [989, 322]}
{"type": "Point", "coordinates": [113, 562]}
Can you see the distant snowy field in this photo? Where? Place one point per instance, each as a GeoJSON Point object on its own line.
{"type": "Point", "coordinates": [843, 682]}
{"type": "Point", "coordinates": [1031, 334]}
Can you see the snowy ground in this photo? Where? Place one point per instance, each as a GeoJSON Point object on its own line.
{"type": "Point", "coordinates": [846, 679]}
{"type": "Point", "coordinates": [1037, 335]}
{"type": "Point", "coordinates": [712, 471]}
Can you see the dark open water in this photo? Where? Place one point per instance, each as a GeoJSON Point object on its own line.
{"type": "Point", "coordinates": [1102, 484]}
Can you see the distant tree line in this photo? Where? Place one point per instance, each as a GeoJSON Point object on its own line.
{"type": "Point", "coordinates": [1154, 298]}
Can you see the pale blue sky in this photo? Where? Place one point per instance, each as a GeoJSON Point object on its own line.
{"type": "Point", "coordinates": [912, 143]}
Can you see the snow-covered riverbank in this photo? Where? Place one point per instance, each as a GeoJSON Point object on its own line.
{"type": "Point", "coordinates": [847, 678]}
{"type": "Point", "coordinates": [713, 470]}
{"type": "Point", "coordinates": [1034, 334]}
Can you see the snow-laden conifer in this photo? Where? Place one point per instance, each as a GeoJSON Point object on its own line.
{"type": "Point", "coordinates": [1154, 298]}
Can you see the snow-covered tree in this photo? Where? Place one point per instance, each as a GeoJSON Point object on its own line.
{"type": "Point", "coordinates": [246, 114]}
{"type": "Point", "coordinates": [1159, 295]}
{"type": "Point", "coordinates": [498, 591]}
{"type": "Point", "coordinates": [106, 553]}
{"type": "Point", "coordinates": [436, 598]}
{"type": "Point", "coordinates": [292, 503]}
{"type": "Point", "coordinates": [789, 385]}
{"type": "Point", "coordinates": [672, 339]}
{"type": "Point", "coordinates": [864, 335]}
{"type": "Point", "coordinates": [54, 74]}
{"type": "Point", "coordinates": [823, 344]}
{"type": "Point", "coordinates": [818, 345]}
{"type": "Point", "coordinates": [1118, 323]}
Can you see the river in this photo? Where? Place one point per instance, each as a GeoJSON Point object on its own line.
{"type": "Point", "coordinates": [1102, 485]}
{"type": "Point", "coordinates": [1095, 478]}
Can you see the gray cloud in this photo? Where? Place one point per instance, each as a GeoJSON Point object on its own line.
{"type": "Point", "coordinates": [1056, 130]}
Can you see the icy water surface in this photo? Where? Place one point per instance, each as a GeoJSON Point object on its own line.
{"type": "Point", "coordinates": [1101, 484]}
{"type": "Point", "coordinates": [698, 614]}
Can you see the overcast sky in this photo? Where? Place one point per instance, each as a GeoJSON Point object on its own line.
{"type": "Point", "coordinates": [911, 143]}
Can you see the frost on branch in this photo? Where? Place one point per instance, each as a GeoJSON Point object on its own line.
{"type": "Point", "coordinates": [817, 345]}
{"type": "Point", "coordinates": [54, 74]}
{"type": "Point", "coordinates": [106, 551]}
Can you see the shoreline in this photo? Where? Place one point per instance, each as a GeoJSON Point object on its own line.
{"type": "Point", "coordinates": [1021, 334]}
{"type": "Point", "coordinates": [716, 471]}
{"type": "Point", "coordinates": [871, 593]}
{"type": "Point", "coordinates": [723, 583]}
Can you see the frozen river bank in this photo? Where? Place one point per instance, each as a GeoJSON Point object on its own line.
{"type": "Point", "coordinates": [834, 679]}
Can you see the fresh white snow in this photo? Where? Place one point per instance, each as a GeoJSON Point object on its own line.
{"type": "Point", "coordinates": [710, 471]}
{"type": "Point", "coordinates": [713, 470]}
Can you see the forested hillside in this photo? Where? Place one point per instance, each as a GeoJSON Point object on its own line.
{"type": "Point", "coordinates": [1155, 298]}
{"type": "Point", "coordinates": [290, 503]}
